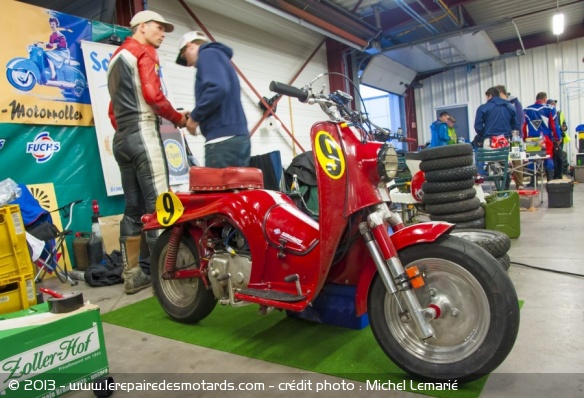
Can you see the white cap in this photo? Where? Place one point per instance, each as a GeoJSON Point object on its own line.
{"type": "Point", "coordinates": [187, 38]}
{"type": "Point", "coordinates": [147, 16]}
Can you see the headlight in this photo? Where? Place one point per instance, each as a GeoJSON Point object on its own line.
{"type": "Point", "coordinates": [387, 163]}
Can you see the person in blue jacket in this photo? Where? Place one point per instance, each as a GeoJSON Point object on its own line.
{"type": "Point", "coordinates": [218, 111]}
{"type": "Point", "coordinates": [495, 117]}
{"type": "Point", "coordinates": [439, 130]}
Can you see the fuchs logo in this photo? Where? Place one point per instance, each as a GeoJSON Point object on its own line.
{"type": "Point", "coordinates": [43, 147]}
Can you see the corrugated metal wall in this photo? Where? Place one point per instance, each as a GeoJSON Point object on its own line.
{"type": "Point", "coordinates": [262, 57]}
{"type": "Point", "coordinates": [524, 76]}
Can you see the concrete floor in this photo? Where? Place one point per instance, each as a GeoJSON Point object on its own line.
{"type": "Point", "coordinates": [547, 360]}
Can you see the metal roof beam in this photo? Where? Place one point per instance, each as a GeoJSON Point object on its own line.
{"type": "Point", "coordinates": [540, 39]}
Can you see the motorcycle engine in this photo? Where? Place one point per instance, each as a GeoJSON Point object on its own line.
{"type": "Point", "coordinates": [220, 264]}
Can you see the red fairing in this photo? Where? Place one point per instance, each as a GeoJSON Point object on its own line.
{"type": "Point", "coordinates": [412, 235]}
{"type": "Point", "coordinates": [282, 239]}
{"type": "Point", "coordinates": [346, 172]}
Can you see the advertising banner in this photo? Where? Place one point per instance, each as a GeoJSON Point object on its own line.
{"type": "Point", "coordinates": [43, 81]}
{"type": "Point", "coordinates": [66, 157]}
{"type": "Point", "coordinates": [97, 57]}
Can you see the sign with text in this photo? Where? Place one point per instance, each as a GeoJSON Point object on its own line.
{"type": "Point", "coordinates": [44, 75]}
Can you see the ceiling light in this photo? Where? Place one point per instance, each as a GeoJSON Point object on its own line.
{"type": "Point", "coordinates": [558, 24]}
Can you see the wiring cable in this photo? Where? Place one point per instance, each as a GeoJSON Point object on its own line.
{"type": "Point", "coordinates": [549, 270]}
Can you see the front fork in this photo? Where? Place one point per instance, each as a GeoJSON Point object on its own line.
{"type": "Point", "coordinates": [392, 272]}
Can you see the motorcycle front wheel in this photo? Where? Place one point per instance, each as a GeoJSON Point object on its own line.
{"type": "Point", "coordinates": [479, 313]}
{"type": "Point", "coordinates": [184, 300]}
{"type": "Point", "coordinates": [22, 79]}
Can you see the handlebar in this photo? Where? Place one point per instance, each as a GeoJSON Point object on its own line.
{"type": "Point", "coordinates": [291, 91]}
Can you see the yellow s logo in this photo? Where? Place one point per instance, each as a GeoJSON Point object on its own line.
{"type": "Point", "coordinates": [329, 155]}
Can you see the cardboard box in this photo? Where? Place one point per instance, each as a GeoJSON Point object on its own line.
{"type": "Point", "coordinates": [43, 353]}
{"type": "Point", "coordinates": [110, 232]}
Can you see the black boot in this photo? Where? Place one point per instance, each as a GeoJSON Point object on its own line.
{"type": "Point", "coordinates": [134, 278]}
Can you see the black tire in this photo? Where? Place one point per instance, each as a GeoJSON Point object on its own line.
{"type": "Point", "coordinates": [184, 300]}
{"type": "Point", "coordinates": [460, 217]}
{"type": "Point", "coordinates": [446, 151]}
{"type": "Point", "coordinates": [469, 279]}
{"type": "Point", "coordinates": [504, 261]}
{"type": "Point", "coordinates": [479, 223]}
{"type": "Point", "coordinates": [437, 187]}
{"type": "Point", "coordinates": [448, 197]}
{"type": "Point", "coordinates": [495, 242]}
{"type": "Point", "coordinates": [446, 163]}
{"type": "Point", "coordinates": [447, 175]}
{"type": "Point", "coordinates": [453, 207]}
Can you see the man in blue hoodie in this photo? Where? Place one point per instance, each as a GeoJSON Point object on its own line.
{"type": "Point", "coordinates": [218, 110]}
{"type": "Point", "coordinates": [439, 130]}
{"type": "Point", "coordinates": [495, 117]}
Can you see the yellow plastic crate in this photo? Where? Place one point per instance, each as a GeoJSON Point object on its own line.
{"type": "Point", "coordinates": [14, 255]}
{"type": "Point", "coordinates": [17, 293]}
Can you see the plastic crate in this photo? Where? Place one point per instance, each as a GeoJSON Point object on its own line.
{"type": "Point", "coordinates": [17, 293]}
{"type": "Point", "coordinates": [529, 199]}
{"type": "Point", "coordinates": [335, 305]}
{"type": "Point", "coordinates": [14, 255]}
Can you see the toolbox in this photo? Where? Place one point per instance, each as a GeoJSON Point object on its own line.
{"type": "Point", "coordinates": [560, 193]}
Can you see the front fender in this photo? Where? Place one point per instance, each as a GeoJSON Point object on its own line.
{"type": "Point", "coordinates": [26, 64]}
{"type": "Point", "coordinates": [412, 235]}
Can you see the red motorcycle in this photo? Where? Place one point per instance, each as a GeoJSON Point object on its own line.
{"type": "Point", "coordinates": [439, 306]}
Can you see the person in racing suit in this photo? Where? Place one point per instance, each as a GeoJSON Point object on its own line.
{"type": "Point", "coordinates": [540, 119]}
{"type": "Point", "coordinates": [137, 102]}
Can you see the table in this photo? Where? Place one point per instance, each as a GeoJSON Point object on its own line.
{"type": "Point", "coordinates": [538, 168]}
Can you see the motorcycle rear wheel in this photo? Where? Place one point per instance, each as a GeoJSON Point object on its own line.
{"type": "Point", "coordinates": [21, 79]}
{"type": "Point", "coordinates": [479, 318]}
{"type": "Point", "coordinates": [184, 300]}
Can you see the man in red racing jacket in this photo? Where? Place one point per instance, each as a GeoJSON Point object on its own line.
{"type": "Point", "coordinates": [137, 101]}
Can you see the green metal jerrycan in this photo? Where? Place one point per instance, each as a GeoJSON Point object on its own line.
{"type": "Point", "coordinates": [502, 213]}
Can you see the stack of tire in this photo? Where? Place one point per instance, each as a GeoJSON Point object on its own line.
{"type": "Point", "coordinates": [449, 193]}
{"type": "Point", "coordinates": [495, 242]}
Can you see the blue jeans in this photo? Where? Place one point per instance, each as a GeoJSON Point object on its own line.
{"type": "Point", "coordinates": [233, 152]}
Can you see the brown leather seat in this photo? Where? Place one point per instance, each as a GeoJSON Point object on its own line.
{"type": "Point", "coordinates": [225, 179]}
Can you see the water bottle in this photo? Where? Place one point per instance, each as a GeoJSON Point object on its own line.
{"type": "Point", "coordinates": [95, 248]}
{"type": "Point", "coordinates": [295, 187]}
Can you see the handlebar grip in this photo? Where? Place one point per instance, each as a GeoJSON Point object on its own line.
{"type": "Point", "coordinates": [291, 91]}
